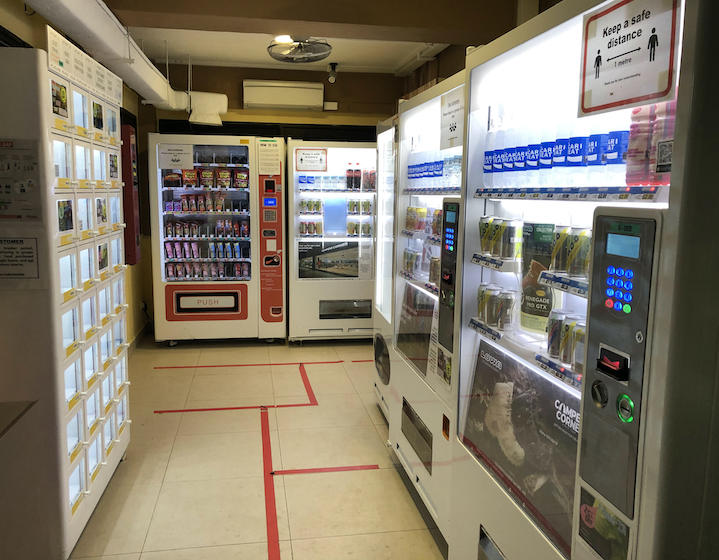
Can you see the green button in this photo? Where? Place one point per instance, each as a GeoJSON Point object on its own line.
{"type": "Point", "coordinates": [625, 409]}
{"type": "Point", "coordinates": [627, 308]}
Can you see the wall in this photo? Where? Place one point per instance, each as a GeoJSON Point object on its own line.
{"type": "Point", "coordinates": [30, 28]}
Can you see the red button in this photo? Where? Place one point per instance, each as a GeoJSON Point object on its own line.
{"type": "Point", "coordinates": [609, 303]}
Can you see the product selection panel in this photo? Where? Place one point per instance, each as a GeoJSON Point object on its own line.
{"type": "Point", "coordinates": [447, 284]}
{"type": "Point", "coordinates": [623, 256]}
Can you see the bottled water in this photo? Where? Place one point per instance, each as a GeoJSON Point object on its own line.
{"type": "Point", "coordinates": [560, 176]}
{"type": "Point", "coordinates": [531, 164]}
{"type": "Point", "coordinates": [546, 153]}
{"type": "Point", "coordinates": [616, 169]}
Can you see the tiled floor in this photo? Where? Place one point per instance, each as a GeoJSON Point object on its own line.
{"type": "Point", "coordinates": [192, 487]}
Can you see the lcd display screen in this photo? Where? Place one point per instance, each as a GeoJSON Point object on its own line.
{"type": "Point", "coordinates": [451, 217]}
{"type": "Point", "coordinates": [623, 245]}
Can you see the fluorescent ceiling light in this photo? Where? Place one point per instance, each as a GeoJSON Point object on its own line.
{"type": "Point", "coordinates": [283, 39]}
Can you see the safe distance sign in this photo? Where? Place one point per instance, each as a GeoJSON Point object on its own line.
{"type": "Point", "coordinates": [629, 54]}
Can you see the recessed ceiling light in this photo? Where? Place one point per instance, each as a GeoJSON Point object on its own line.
{"type": "Point", "coordinates": [283, 39]}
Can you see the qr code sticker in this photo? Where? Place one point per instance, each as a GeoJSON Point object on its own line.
{"type": "Point", "coordinates": [664, 156]}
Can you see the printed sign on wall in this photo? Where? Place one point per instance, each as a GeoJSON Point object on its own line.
{"type": "Point", "coordinates": [311, 159]}
{"type": "Point", "coordinates": [175, 156]}
{"type": "Point", "coordinates": [629, 54]}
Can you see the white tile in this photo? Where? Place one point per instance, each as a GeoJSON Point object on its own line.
{"type": "Point", "coordinates": [328, 379]}
{"type": "Point", "coordinates": [404, 545]}
{"type": "Point", "coordinates": [224, 421]}
{"type": "Point", "coordinates": [231, 386]}
{"type": "Point", "coordinates": [254, 551]}
{"type": "Point", "coordinates": [332, 410]}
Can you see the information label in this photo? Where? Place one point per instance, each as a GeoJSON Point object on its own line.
{"type": "Point", "coordinates": [175, 156]}
{"type": "Point", "coordinates": [629, 54]}
{"type": "Point", "coordinates": [268, 157]}
{"type": "Point", "coordinates": [20, 197]}
{"type": "Point", "coordinates": [452, 131]}
{"type": "Point", "coordinates": [311, 159]}
{"type": "Point", "coordinates": [19, 258]}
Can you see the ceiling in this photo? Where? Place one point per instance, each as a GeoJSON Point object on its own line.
{"type": "Point", "coordinates": [220, 48]}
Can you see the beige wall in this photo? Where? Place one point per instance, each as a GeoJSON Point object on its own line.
{"type": "Point", "coordinates": [30, 28]}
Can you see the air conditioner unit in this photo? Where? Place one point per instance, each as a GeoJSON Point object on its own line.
{"type": "Point", "coordinates": [283, 95]}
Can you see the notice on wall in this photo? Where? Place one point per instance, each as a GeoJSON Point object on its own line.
{"type": "Point", "coordinates": [452, 131]}
{"type": "Point", "coordinates": [269, 157]}
{"type": "Point", "coordinates": [19, 258]}
{"type": "Point", "coordinates": [20, 196]}
{"type": "Point", "coordinates": [175, 156]}
{"type": "Point", "coordinates": [311, 159]}
{"type": "Point", "coordinates": [629, 55]}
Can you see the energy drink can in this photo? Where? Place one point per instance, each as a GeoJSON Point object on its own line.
{"type": "Point", "coordinates": [365, 229]}
{"type": "Point", "coordinates": [495, 236]}
{"type": "Point", "coordinates": [435, 269]}
{"type": "Point", "coordinates": [303, 206]}
{"type": "Point", "coordinates": [566, 341]}
{"type": "Point", "coordinates": [559, 248]}
{"type": "Point", "coordinates": [311, 228]}
{"type": "Point", "coordinates": [366, 206]}
{"type": "Point", "coordinates": [485, 232]}
{"type": "Point", "coordinates": [554, 332]}
{"type": "Point", "coordinates": [482, 302]}
{"type": "Point", "coordinates": [511, 241]}
{"type": "Point", "coordinates": [493, 306]}
{"type": "Point", "coordinates": [578, 251]}
{"type": "Point", "coordinates": [318, 228]}
{"type": "Point", "coordinates": [579, 335]}
{"type": "Point", "coordinates": [303, 228]}
{"type": "Point", "coordinates": [505, 313]}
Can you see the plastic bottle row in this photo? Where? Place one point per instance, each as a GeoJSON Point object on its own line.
{"type": "Point", "coordinates": [207, 178]}
{"type": "Point", "coordinates": [568, 249]}
{"type": "Point", "coordinates": [310, 206]}
{"type": "Point", "coordinates": [433, 169]}
{"type": "Point", "coordinates": [354, 179]}
{"type": "Point", "coordinates": [584, 155]}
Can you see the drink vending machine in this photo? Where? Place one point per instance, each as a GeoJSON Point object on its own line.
{"type": "Point", "coordinates": [577, 212]}
{"type": "Point", "coordinates": [217, 235]}
{"type": "Point", "coordinates": [332, 232]}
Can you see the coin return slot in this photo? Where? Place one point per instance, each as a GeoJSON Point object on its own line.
{"type": "Point", "coordinates": [613, 364]}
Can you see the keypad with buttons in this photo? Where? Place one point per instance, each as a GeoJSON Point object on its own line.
{"type": "Point", "coordinates": [619, 288]}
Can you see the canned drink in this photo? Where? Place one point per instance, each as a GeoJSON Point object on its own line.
{"type": "Point", "coordinates": [350, 206]}
{"type": "Point", "coordinates": [482, 302]}
{"type": "Point", "coordinates": [495, 237]}
{"type": "Point", "coordinates": [505, 314]}
{"type": "Point", "coordinates": [493, 306]}
{"type": "Point", "coordinates": [311, 228]}
{"type": "Point", "coordinates": [365, 229]}
{"type": "Point", "coordinates": [244, 228]}
{"type": "Point", "coordinates": [303, 206]}
{"type": "Point", "coordinates": [318, 206]}
{"type": "Point", "coordinates": [579, 336]}
{"type": "Point", "coordinates": [351, 228]}
{"type": "Point", "coordinates": [437, 222]}
{"type": "Point", "coordinates": [559, 248]}
{"type": "Point", "coordinates": [366, 206]}
{"type": "Point", "coordinates": [318, 228]}
{"type": "Point", "coordinates": [566, 346]}
{"type": "Point", "coordinates": [554, 332]}
{"type": "Point", "coordinates": [511, 240]}
{"type": "Point", "coordinates": [435, 270]}
{"type": "Point", "coordinates": [485, 234]}
{"type": "Point", "coordinates": [245, 268]}
{"type": "Point", "coordinates": [303, 228]}
{"type": "Point", "coordinates": [578, 248]}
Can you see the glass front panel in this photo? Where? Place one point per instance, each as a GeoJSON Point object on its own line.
{"type": "Point", "coordinates": [84, 214]}
{"type": "Point", "coordinates": [69, 327]}
{"type": "Point", "coordinates": [334, 212]}
{"type": "Point", "coordinates": [108, 432]}
{"type": "Point", "coordinates": [103, 298]}
{"type": "Point", "coordinates": [385, 222]}
{"type": "Point", "coordinates": [118, 291]}
{"type": "Point", "coordinates": [92, 407]}
{"type": "Point", "coordinates": [116, 251]}
{"type": "Point", "coordinates": [73, 380]}
{"type": "Point", "coordinates": [111, 122]}
{"type": "Point", "coordinates": [59, 96]}
{"type": "Point", "coordinates": [105, 346]}
{"type": "Point", "coordinates": [114, 166]}
{"type": "Point", "coordinates": [90, 361]}
{"type": "Point", "coordinates": [80, 109]}
{"type": "Point", "coordinates": [118, 332]}
{"type": "Point", "coordinates": [76, 482]}
{"type": "Point", "coordinates": [103, 257]}
{"type": "Point", "coordinates": [74, 434]}
{"type": "Point", "coordinates": [107, 390]}
{"type": "Point", "coordinates": [121, 371]}
{"type": "Point", "coordinates": [67, 266]}
{"type": "Point", "coordinates": [115, 210]}
{"type": "Point", "coordinates": [122, 411]}
{"type": "Point", "coordinates": [89, 316]}
{"type": "Point", "coordinates": [99, 165]}
{"type": "Point", "coordinates": [206, 216]}
{"type": "Point", "coordinates": [98, 116]}
{"type": "Point", "coordinates": [87, 264]}
{"type": "Point", "coordinates": [65, 221]}
{"type": "Point", "coordinates": [101, 211]}
{"type": "Point", "coordinates": [94, 455]}
{"type": "Point", "coordinates": [82, 162]}
{"type": "Point", "coordinates": [61, 159]}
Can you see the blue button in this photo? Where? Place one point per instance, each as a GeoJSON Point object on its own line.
{"type": "Point", "coordinates": [628, 297]}
{"type": "Point", "coordinates": [628, 285]}
{"type": "Point", "coordinates": [610, 292]}
{"type": "Point", "coordinates": [619, 283]}
{"type": "Point", "coordinates": [619, 294]}
{"type": "Point", "coordinates": [629, 273]}
{"type": "Point", "coordinates": [610, 281]}
{"type": "Point", "coordinates": [610, 269]}
{"type": "Point", "coordinates": [620, 271]}
{"type": "Point", "coordinates": [618, 306]}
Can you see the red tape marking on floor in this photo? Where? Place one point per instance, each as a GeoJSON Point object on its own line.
{"type": "Point", "coordinates": [308, 387]}
{"type": "Point", "coordinates": [248, 365]}
{"type": "Point", "coordinates": [326, 470]}
{"type": "Point", "coordinates": [253, 407]}
{"type": "Point", "coordinates": [361, 361]}
{"type": "Point", "coordinates": [273, 535]}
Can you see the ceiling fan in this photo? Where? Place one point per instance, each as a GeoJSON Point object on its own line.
{"type": "Point", "coordinates": [298, 50]}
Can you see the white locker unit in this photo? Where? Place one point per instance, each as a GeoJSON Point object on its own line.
{"type": "Point", "coordinates": [217, 220]}
{"type": "Point", "coordinates": [331, 232]}
{"type": "Point", "coordinates": [55, 278]}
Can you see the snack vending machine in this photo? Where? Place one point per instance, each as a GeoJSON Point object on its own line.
{"type": "Point", "coordinates": [427, 227]}
{"type": "Point", "coordinates": [384, 354]}
{"type": "Point", "coordinates": [568, 181]}
{"type": "Point", "coordinates": [217, 236]}
{"type": "Point", "coordinates": [62, 293]}
{"type": "Point", "coordinates": [332, 238]}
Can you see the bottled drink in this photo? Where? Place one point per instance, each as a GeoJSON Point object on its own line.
{"type": "Point", "coordinates": [532, 164]}
{"type": "Point", "coordinates": [349, 177]}
{"type": "Point", "coordinates": [559, 158]}
{"type": "Point", "coordinates": [640, 138]}
{"type": "Point", "coordinates": [546, 153]}
{"type": "Point", "coordinates": [577, 155]}
{"type": "Point", "coordinates": [616, 170]}
{"type": "Point", "coordinates": [357, 177]}
{"type": "Point", "coordinates": [660, 149]}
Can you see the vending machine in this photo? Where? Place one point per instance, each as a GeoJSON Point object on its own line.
{"type": "Point", "coordinates": [62, 292]}
{"type": "Point", "coordinates": [217, 236]}
{"type": "Point", "coordinates": [331, 264]}
{"type": "Point", "coordinates": [427, 226]}
{"type": "Point", "coordinates": [577, 140]}
{"type": "Point", "coordinates": [384, 354]}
